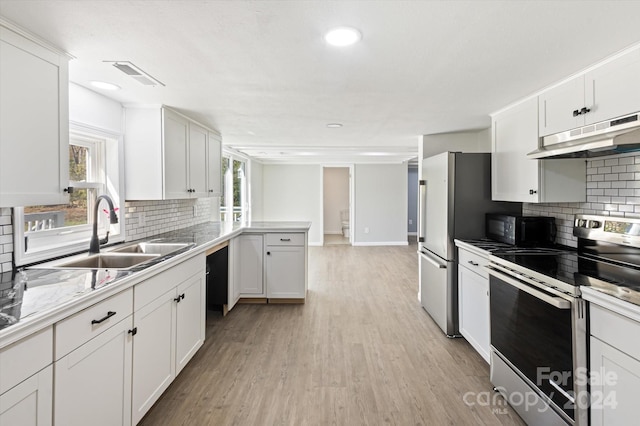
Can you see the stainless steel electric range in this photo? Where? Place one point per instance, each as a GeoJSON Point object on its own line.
{"type": "Point", "coordinates": [539, 321]}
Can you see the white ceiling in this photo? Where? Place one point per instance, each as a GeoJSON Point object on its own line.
{"type": "Point", "coordinates": [261, 73]}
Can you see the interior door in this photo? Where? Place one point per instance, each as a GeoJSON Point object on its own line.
{"type": "Point", "coordinates": [435, 173]}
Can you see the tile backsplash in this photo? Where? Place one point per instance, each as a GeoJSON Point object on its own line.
{"type": "Point", "coordinates": [6, 240]}
{"type": "Point", "coordinates": [158, 217]}
{"type": "Point", "coordinates": [148, 218]}
{"type": "Point", "coordinates": [613, 189]}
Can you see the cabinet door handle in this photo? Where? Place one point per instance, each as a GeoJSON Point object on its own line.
{"type": "Point", "coordinates": [473, 263]}
{"type": "Point", "coordinates": [285, 239]}
{"type": "Point", "coordinates": [532, 191]}
{"type": "Point", "coordinates": [106, 317]}
{"type": "Point", "coordinates": [268, 253]}
{"type": "Point", "coordinates": [576, 112]}
{"type": "Point", "coordinates": [133, 331]}
{"type": "Point", "coordinates": [179, 298]}
{"type": "Point", "coordinates": [584, 110]}
{"type": "Point", "coordinates": [68, 190]}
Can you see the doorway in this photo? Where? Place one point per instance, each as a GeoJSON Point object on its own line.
{"type": "Point", "coordinates": [336, 205]}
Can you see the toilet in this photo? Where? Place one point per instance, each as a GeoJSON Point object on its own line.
{"type": "Point", "coordinates": [344, 220]}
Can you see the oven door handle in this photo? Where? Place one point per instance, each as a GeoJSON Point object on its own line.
{"type": "Point", "coordinates": [558, 302]}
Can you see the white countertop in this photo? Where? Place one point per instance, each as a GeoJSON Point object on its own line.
{"type": "Point", "coordinates": [612, 303]}
{"type": "Point", "coordinates": [61, 293]}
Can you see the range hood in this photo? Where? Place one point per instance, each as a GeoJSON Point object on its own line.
{"type": "Point", "coordinates": [595, 140]}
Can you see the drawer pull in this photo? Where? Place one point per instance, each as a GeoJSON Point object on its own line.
{"type": "Point", "coordinates": [109, 315]}
{"type": "Point", "coordinates": [285, 239]}
{"type": "Point", "coordinates": [179, 298]}
{"type": "Point", "coordinates": [473, 263]}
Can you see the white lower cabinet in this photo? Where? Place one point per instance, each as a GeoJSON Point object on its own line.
{"type": "Point", "coordinates": [248, 270]}
{"type": "Point", "coordinates": [26, 381]}
{"type": "Point", "coordinates": [93, 364]}
{"type": "Point", "coordinates": [190, 319]}
{"type": "Point", "coordinates": [153, 355]}
{"type": "Point", "coordinates": [473, 301]}
{"type": "Point", "coordinates": [30, 402]}
{"type": "Point", "coordinates": [271, 265]}
{"type": "Point", "coordinates": [614, 367]}
{"type": "Point", "coordinates": [615, 383]}
{"type": "Point", "coordinates": [93, 382]}
{"type": "Point", "coordinates": [285, 272]}
{"type": "Point", "coordinates": [169, 320]}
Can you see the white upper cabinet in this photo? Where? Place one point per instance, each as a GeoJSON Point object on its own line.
{"type": "Point", "coordinates": [515, 177]}
{"type": "Point", "coordinates": [175, 137]}
{"type": "Point", "coordinates": [557, 107]}
{"type": "Point", "coordinates": [198, 140]}
{"type": "Point", "coordinates": [605, 92]}
{"type": "Point", "coordinates": [214, 166]}
{"type": "Point", "coordinates": [613, 89]}
{"type": "Point", "coordinates": [168, 156]}
{"type": "Point", "coordinates": [34, 112]}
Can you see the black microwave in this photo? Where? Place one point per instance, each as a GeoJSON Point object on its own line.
{"type": "Point", "coordinates": [525, 231]}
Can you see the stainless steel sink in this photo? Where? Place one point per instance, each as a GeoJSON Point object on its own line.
{"type": "Point", "coordinates": [161, 249]}
{"type": "Point", "coordinates": [106, 261]}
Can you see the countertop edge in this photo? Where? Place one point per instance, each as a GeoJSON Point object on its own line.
{"type": "Point", "coordinates": [611, 303]}
{"type": "Point", "coordinates": [470, 247]}
{"type": "Point", "coordinates": [42, 320]}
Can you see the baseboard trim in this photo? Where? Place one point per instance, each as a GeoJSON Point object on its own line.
{"type": "Point", "coordinates": [383, 243]}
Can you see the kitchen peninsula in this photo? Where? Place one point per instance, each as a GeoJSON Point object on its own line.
{"type": "Point", "coordinates": [79, 322]}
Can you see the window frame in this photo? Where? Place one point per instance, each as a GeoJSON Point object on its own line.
{"type": "Point", "coordinates": [245, 203]}
{"type": "Point", "coordinates": [62, 242]}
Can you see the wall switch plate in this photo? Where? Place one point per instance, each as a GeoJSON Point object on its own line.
{"type": "Point", "coordinates": [366, 230]}
{"type": "Point", "coordinates": [141, 219]}
{"type": "Point", "coordinates": [410, 221]}
{"type": "Point", "coordinates": [195, 210]}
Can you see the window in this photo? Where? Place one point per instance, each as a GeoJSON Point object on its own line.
{"type": "Point", "coordinates": [233, 203]}
{"type": "Point", "coordinates": [94, 169]}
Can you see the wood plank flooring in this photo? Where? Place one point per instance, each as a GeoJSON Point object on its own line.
{"type": "Point", "coordinates": [361, 351]}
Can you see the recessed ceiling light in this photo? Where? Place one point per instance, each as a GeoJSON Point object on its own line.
{"type": "Point", "coordinates": [343, 36]}
{"type": "Point", "coordinates": [334, 125]}
{"type": "Point", "coordinates": [104, 85]}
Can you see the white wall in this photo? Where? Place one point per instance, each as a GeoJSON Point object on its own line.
{"type": "Point", "coordinates": [335, 197]}
{"type": "Point", "coordinates": [92, 109]}
{"type": "Point", "coordinates": [256, 199]}
{"type": "Point", "coordinates": [472, 141]}
{"type": "Point", "coordinates": [294, 193]}
{"type": "Point", "coordinates": [380, 204]}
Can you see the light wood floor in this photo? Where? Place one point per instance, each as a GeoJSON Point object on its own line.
{"type": "Point", "coordinates": [361, 351]}
{"type": "Point", "coordinates": [335, 239]}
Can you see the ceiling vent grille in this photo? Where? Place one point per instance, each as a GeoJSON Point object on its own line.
{"type": "Point", "coordinates": [136, 73]}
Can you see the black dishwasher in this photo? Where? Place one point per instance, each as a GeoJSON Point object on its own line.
{"type": "Point", "coordinates": [217, 279]}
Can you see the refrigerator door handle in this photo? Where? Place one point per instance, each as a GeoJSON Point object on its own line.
{"type": "Point", "coordinates": [432, 260]}
{"type": "Point", "coordinates": [422, 211]}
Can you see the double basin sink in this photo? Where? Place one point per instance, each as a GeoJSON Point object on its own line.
{"type": "Point", "coordinates": [125, 257]}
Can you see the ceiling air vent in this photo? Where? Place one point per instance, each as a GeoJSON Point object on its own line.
{"type": "Point", "coordinates": [136, 73]}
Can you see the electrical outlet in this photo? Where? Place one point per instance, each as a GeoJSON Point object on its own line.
{"type": "Point", "coordinates": [141, 219]}
{"type": "Point", "coordinates": [195, 210]}
{"type": "Point", "coordinates": [366, 230]}
{"type": "Point", "coordinates": [410, 221]}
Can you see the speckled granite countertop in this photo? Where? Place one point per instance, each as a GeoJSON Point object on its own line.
{"type": "Point", "coordinates": [34, 298]}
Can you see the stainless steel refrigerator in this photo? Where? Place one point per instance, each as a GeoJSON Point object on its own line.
{"type": "Point", "coordinates": [455, 194]}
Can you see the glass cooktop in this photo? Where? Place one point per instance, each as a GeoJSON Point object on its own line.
{"type": "Point", "coordinates": [621, 281]}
